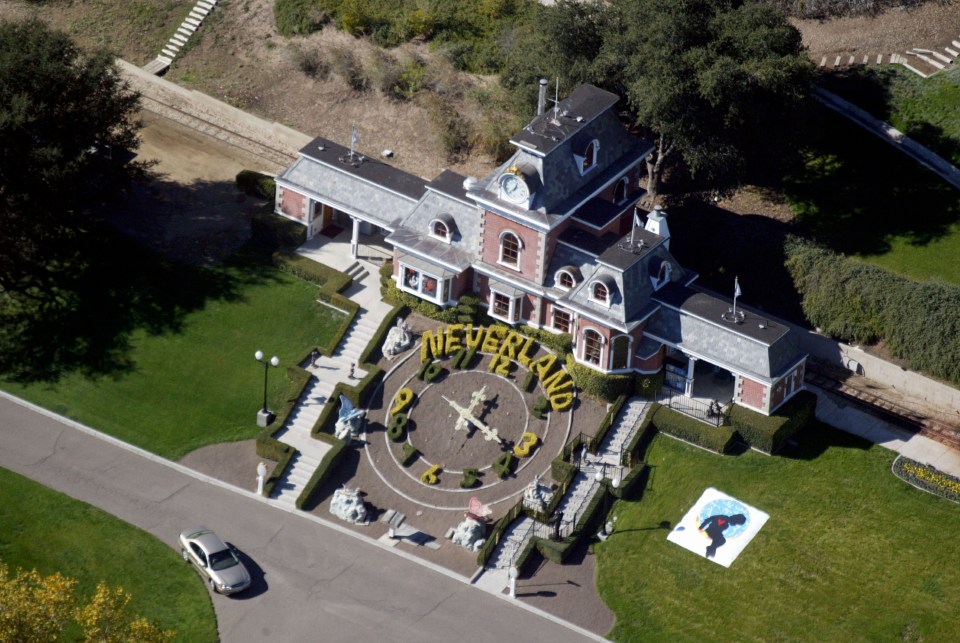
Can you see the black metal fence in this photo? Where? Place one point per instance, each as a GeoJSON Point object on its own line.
{"type": "Point", "coordinates": [712, 413]}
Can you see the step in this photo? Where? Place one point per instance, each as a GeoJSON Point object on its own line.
{"type": "Point", "coordinates": [196, 15]}
{"type": "Point", "coordinates": [177, 37]}
{"type": "Point", "coordinates": [172, 53]}
{"type": "Point", "coordinates": [206, 5]}
{"type": "Point", "coordinates": [836, 63]}
{"type": "Point", "coordinates": [186, 30]}
{"type": "Point", "coordinates": [955, 43]}
{"type": "Point", "coordinates": [823, 61]}
{"type": "Point", "coordinates": [165, 60]}
{"type": "Point", "coordinates": [953, 52]}
{"type": "Point", "coordinates": [191, 21]}
{"type": "Point", "coordinates": [203, 11]}
{"type": "Point", "coordinates": [927, 59]}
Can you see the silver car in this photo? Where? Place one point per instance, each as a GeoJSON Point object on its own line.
{"type": "Point", "coordinates": [215, 560]}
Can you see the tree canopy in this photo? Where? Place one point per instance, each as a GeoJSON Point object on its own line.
{"type": "Point", "coordinates": [718, 84]}
{"type": "Point", "coordinates": [67, 127]}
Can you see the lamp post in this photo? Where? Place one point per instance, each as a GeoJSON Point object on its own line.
{"type": "Point", "coordinates": [264, 416]}
{"type": "Point", "coordinates": [607, 527]}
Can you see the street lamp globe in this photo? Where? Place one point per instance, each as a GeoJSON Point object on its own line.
{"type": "Point", "coordinates": [598, 476]}
{"type": "Point", "coordinates": [274, 361]}
{"type": "Point", "coordinates": [258, 355]}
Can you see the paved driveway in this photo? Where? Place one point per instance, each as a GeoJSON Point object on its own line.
{"type": "Point", "coordinates": [311, 582]}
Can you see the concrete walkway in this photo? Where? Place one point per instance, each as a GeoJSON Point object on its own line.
{"type": "Point", "coordinates": [842, 415]}
{"type": "Point", "coordinates": [365, 291]}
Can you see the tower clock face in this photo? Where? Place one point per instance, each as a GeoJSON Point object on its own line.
{"type": "Point", "coordinates": [513, 188]}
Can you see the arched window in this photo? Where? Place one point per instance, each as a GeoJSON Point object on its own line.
{"type": "Point", "coordinates": [589, 156]}
{"type": "Point", "coordinates": [565, 280]}
{"type": "Point", "coordinates": [620, 192]}
{"type": "Point", "coordinates": [440, 230]}
{"type": "Point", "coordinates": [600, 292]}
{"type": "Point", "coordinates": [510, 249]}
{"type": "Point", "coordinates": [592, 347]}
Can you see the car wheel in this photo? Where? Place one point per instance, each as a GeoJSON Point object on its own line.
{"type": "Point", "coordinates": [186, 556]}
{"type": "Point", "coordinates": [213, 586]}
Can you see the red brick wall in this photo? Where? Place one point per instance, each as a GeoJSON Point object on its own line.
{"type": "Point", "coordinates": [653, 364]}
{"type": "Point", "coordinates": [751, 394]}
{"type": "Point", "coordinates": [292, 203]}
{"type": "Point", "coordinates": [493, 225]}
{"type": "Point", "coordinates": [782, 390]}
{"type": "Point", "coordinates": [461, 283]}
{"type": "Point", "coordinates": [605, 332]}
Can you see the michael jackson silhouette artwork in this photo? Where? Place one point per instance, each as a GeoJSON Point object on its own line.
{"type": "Point", "coordinates": [718, 527]}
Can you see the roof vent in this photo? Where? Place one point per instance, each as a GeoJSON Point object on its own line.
{"type": "Point", "coordinates": [470, 183]}
{"type": "Point", "coordinates": [579, 119]}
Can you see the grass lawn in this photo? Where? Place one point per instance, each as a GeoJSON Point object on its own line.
{"type": "Point", "coordinates": [850, 553]}
{"type": "Point", "coordinates": [195, 382]}
{"type": "Point", "coordinates": [50, 532]}
{"type": "Point", "coordinates": [860, 196]}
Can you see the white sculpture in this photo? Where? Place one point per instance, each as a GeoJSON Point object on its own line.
{"type": "Point", "coordinates": [469, 534]}
{"type": "Point", "coordinates": [348, 505]}
{"type": "Point", "coordinates": [537, 495]}
{"type": "Point", "coordinates": [398, 340]}
{"type": "Point", "coordinates": [350, 420]}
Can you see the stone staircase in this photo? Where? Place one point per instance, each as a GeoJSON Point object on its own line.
{"type": "Point", "coordinates": [326, 373]}
{"type": "Point", "coordinates": [582, 489]}
{"type": "Point", "coordinates": [186, 29]}
{"type": "Point", "coordinates": [921, 61]}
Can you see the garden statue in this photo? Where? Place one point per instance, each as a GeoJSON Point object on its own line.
{"type": "Point", "coordinates": [350, 420]}
{"type": "Point", "coordinates": [536, 496]}
{"type": "Point", "coordinates": [348, 505]}
{"type": "Point", "coordinates": [470, 534]}
{"type": "Point", "coordinates": [398, 339]}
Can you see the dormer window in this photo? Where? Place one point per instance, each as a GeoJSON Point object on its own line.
{"type": "Point", "coordinates": [587, 158]}
{"type": "Point", "coordinates": [600, 293]}
{"type": "Point", "coordinates": [510, 249]}
{"type": "Point", "coordinates": [660, 271]}
{"type": "Point", "coordinates": [564, 280]}
{"type": "Point", "coordinates": [620, 192]}
{"type": "Point", "coordinates": [442, 228]}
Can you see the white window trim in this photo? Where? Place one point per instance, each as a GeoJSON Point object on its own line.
{"type": "Point", "coordinates": [625, 182]}
{"type": "Point", "coordinates": [500, 261]}
{"type": "Point", "coordinates": [402, 285]}
{"type": "Point", "coordinates": [513, 316]}
{"type": "Point", "coordinates": [556, 279]}
{"type": "Point", "coordinates": [629, 352]}
{"type": "Point", "coordinates": [604, 350]}
{"type": "Point", "coordinates": [603, 302]}
{"type": "Point", "coordinates": [666, 269]}
{"type": "Point", "coordinates": [555, 309]}
{"type": "Point", "coordinates": [434, 235]}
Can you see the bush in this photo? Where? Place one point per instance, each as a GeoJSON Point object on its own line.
{"type": "Point", "coordinates": [410, 453]}
{"type": "Point", "coordinates": [298, 17]}
{"type": "Point", "coordinates": [344, 63]}
{"type": "Point", "coordinates": [717, 439]}
{"type": "Point", "coordinates": [607, 422]}
{"type": "Point", "coordinates": [470, 479]}
{"type": "Point", "coordinates": [637, 447]}
{"type": "Point", "coordinates": [540, 407]}
{"type": "Point", "coordinates": [768, 433]}
{"type": "Point", "coordinates": [311, 62]}
{"type": "Point", "coordinates": [858, 302]}
{"type": "Point", "coordinates": [257, 184]}
{"type": "Point", "coordinates": [528, 381]}
{"type": "Point", "coordinates": [270, 232]}
{"type": "Point", "coordinates": [597, 384]}
{"type": "Point", "coordinates": [927, 477]}
{"type": "Point", "coordinates": [649, 385]}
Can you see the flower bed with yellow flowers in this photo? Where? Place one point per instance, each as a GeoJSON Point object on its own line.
{"type": "Point", "coordinates": [927, 478]}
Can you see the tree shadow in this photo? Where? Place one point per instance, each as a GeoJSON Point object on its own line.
{"type": "Point", "coordinates": [81, 316]}
{"type": "Point", "coordinates": [855, 193]}
{"type": "Point", "coordinates": [720, 244]}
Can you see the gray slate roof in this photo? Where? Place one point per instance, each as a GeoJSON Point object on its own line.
{"type": "Point", "coordinates": [372, 190]}
{"type": "Point", "coordinates": [692, 321]}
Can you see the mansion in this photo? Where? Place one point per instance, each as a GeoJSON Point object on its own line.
{"type": "Point", "coordinates": [554, 239]}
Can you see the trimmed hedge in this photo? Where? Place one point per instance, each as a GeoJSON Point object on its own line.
{"type": "Point", "coordinates": [647, 386]}
{"type": "Point", "coordinates": [269, 232]}
{"type": "Point", "coordinates": [854, 301]}
{"type": "Point", "coordinates": [637, 447]}
{"type": "Point", "coordinates": [768, 433]}
{"type": "Point", "coordinates": [717, 439]}
{"type": "Point", "coordinates": [326, 467]}
{"type": "Point", "coordinates": [410, 453]}
{"type": "Point", "coordinates": [596, 384]}
{"type": "Point", "coordinates": [267, 445]}
{"type": "Point", "coordinates": [257, 184]}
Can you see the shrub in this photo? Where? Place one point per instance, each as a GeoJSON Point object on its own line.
{"type": "Point", "coordinates": [540, 407]}
{"type": "Point", "coordinates": [637, 447]}
{"type": "Point", "coordinates": [397, 428]}
{"type": "Point", "coordinates": [596, 384]}
{"type": "Point", "coordinates": [717, 439]}
{"type": "Point", "coordinates": [528, 381]}
{"type": "Point", "coordinates": [649, 385]}
{"type": "Point", "coordinates": [269, 232]}
{"type": "Point", "coordinates": [503, 465]}
{"type": "Point", "coordinates": [257, 184]}
{"type": "Point", "coordinates": [469, 479]}
{"type": "Point", "coordinates": [768, 433]}
{"type": "Point", "coordinates": [854, 301]}
{"type": "Point", "coordinates": [311, 62]}
{"type": "Point", "coordinates": [409, 454]}
{"type": "Point", "coordinates": [927, 477]}
{"type": "Point", "coordinates": [298, 17]}
{"type": "Point", "coordinates": [345, 64]}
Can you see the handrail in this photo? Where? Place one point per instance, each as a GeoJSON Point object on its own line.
{"type": "Point", "coordinates": [694, 408]}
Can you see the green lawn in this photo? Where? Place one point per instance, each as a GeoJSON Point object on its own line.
{"type": "Point", "coordinates": [860, 196]}
{"type": "Point", "coordinates": [850, 553]}
{"type": "Point", "coordinates": [194, 381]}
{"type": "Point", "coordinates": [51, 532]}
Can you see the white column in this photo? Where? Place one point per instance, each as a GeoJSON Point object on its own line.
{"type": "Point", "coordinates": [688, 387]}
{"type": "Point", "coordinates": [355, 239]}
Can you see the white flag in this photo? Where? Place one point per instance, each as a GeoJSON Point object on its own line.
{"type": "Point", "coordinates": [736, 287]}
{"type": "Point", "coordinates": [355, 137]}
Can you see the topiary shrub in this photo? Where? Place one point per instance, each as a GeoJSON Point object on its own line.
{"type": "Point", "coordinates": [597, 384]}
{"type": "Point", "coordinates": [716, 439]}
{"type": "Point", "coordinates": [257, 184]}
{"type": "Point", "coordinates": [768, 433]}
{"type": "Point", "coordinates": [397, 429]}
{"type": "Point", "coordinates": [540, 408]}
{"type": "Point", "coordinates": [409, 454]}
{"type": "Point", "coordinates": [469, 479]}
{"type": "Point", "coordinates": [503, 465]}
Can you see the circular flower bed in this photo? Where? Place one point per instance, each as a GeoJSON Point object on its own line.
{"type": "Point", "coordinates": [927, 478]}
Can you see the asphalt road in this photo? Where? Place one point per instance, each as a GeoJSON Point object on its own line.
{"type": "Point", "coordinates": [311, 581]}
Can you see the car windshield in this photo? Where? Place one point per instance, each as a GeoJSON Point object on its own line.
{"type": "Point", "coordinates": [222, 560]}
